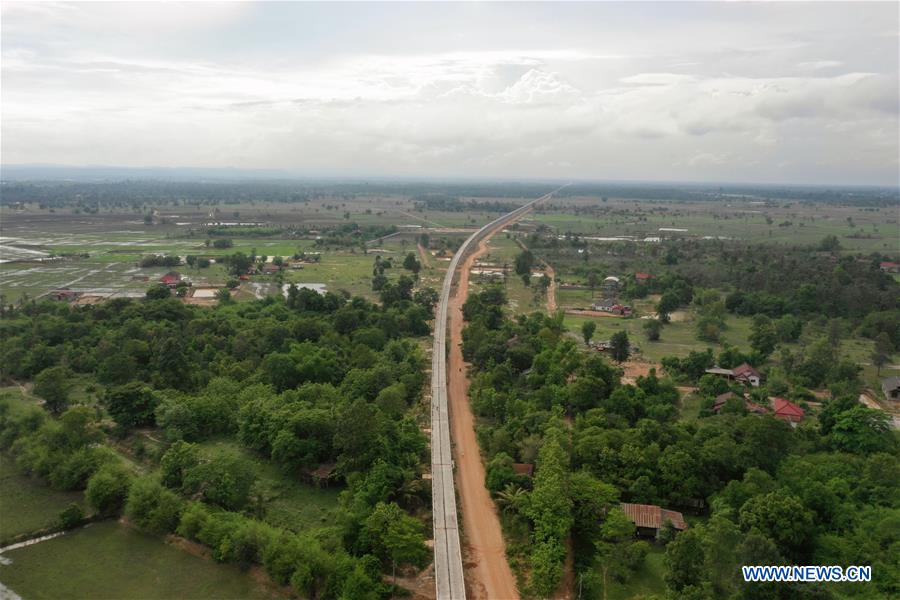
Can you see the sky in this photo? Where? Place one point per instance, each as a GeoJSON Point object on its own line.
{"type": "Point", "coordinates": [739, 92]}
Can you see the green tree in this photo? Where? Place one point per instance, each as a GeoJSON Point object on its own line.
{"type": "Point", "coordinates": [781, 517]}
{"type": "Point", "coordinates": [666, 305]}
{"type": "Point", "coordinates": [550, 509]}
{"type": "Point", "coordinates": [131, 405]}
{"type": "Point", "coordinates": [410, 263]}
{"type": "Point", "coordinates": [882, 351]}
{"type": "Point", "coordinates": [426, 297]}
{"type": "Point", "coordinates": [616, 529]}
{"type": "Point", "coordinates": [763, 336]}
{"type": "Point", "coordinates": [587, 331]}
{"type": "Point", "coordinates": [652, 329]}
{"type": "Point", "coordinates": [684, 561]}
{"type": "Point", "coordinates": [152, 507]}
{"type": "Point", "coordinates": [223, 297]}
{"type": "Point", "coordinates": [524, 263]}
{"type": "Point", "coordinates": [395, 537]}
{"type": "Point", "coordinates": [107, 489]}
{"type": "Point", "coordinates": [620, 346]}
{"type": "Point", "coordinates": [591, 502]}
{"type": "Point", "coordinates": [862, 430]}
{"type": "Point", "coordinates": [830, 243]}
{"type": "Point", "coordinates": [180, 458]}
{"type": "Point", "coordinates": [511, 498]}
{"type": "Point", "coordinates": [53, 385]}
{"type": "Point", "coordinates": [158, 292]}
{"type": "Point", "coordinates": [239, 263]}
{"type": "Point", "coordinates": [225, 480]}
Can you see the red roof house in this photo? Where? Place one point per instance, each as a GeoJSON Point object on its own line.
{"type": "Point", "coordinates": [890, 267]}
{"type": "Point", "coordinates": [787, 411]}
{"type": "Point", "coordinates": [643, 277]}
{"type": "Point", "coordinates": [170, 279]}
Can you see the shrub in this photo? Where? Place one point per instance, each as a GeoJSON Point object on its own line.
{"type": "Point", "coordinates": [74, 471]}
{"type": "Point", "coordinates": [193, 520]}
{"type": "Point", "coordinates": [152, 507]}
{"type": "Point", "coordinates": [71, 516]}
{"type": "Point", "coordinates": [282, 557]}
{"type": "Point", "coordinates": [224, 480]}
{"type": "Point", "coordinates": [247, 543]}
{"type": "Point", "coordinates": [107, 489]}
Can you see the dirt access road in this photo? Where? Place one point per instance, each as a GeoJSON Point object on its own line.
{"type": "Point", "coordinates": [488, 575]}
{"type": "Point", "coordinates": [551, 289]}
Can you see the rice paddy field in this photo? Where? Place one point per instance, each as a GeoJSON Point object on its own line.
{"type": "Point", "coordinates": [109, 560]}
{"type": "Point", "coordinates": [101, 252]}
{"type": "Point", "coordinates": [42, 250]}
{"type": "Point", "coordinates": [27, 504]}
{"type": "Point", "coordinates": [784, 222]}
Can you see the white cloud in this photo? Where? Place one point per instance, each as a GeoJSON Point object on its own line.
{"type": "Point", "coordinates": [567, 96]}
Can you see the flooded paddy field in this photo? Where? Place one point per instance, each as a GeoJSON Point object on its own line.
{"type": "Point", "coordinates": [101, 254]}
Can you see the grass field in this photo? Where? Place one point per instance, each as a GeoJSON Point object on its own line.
{"type": "Point", "coordinates": [677, 339]}
{"type": "Point", "coordinates": [783, 222]}
{"type": "Point", "coordinates": [108, 560]}
{"type": "Point", "coordinates": [648, 580]}
{"type": "Point", "coordinates": [502, 251]}
{"type": "Point", "coordinates": [27, 504]}
{"type": "Point", "coordinates": [292, 504]}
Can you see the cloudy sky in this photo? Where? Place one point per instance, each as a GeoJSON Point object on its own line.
{"type": "Point", "coordinates": [804, 93]}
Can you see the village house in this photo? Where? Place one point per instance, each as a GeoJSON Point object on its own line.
{"type": "Point", "coordinates": [321, 476]}
{"type": "Point", "coordinates": [611, 284]}
{"type": "Point", "coordinates": [523, 469]}
{"type": "Point", "coordinates": [170, 279]}
{"type": "Point", "coordinates": [890, 267]}
{"type": "Point", "coordinates": [643, 278]}
{"type": "Point", "coordinates": [787, 411]}
{"type": "Point", "coordinates": [611, 305]}
{"type": "Point", "coordinates": [891, 388]}
{"type": "Point", "coordinates": [651, 519]}
{"type": "Point", "coordinates": [270, 269]}
{"type": "Point", "coordinates": [743, 373]}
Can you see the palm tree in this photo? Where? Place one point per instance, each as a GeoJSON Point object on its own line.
{"type": "Point", "coordinates": [510, 498]}
{"type": "Point", "coordinates": [412, 493]}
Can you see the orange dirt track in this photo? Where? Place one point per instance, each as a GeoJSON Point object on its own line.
{"type": "Point", "coordinates": [488, 574]}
